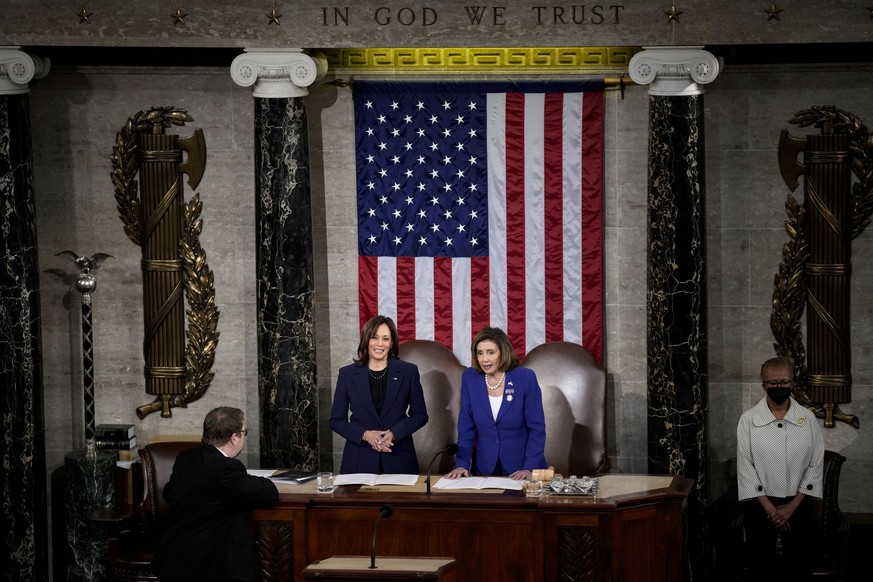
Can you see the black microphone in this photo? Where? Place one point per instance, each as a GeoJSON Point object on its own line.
{"type": "Point", "coordinates": [386, 511]}
{"type": "Point", "coordinates": [451, 450]}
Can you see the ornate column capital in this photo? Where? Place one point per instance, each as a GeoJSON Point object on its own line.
{"type": "Point", "coordinates": [278, 73]}
{"type": "Point", "coordinates": [17, 69]}
{"type": "Point", "coordinates": [674, 70]}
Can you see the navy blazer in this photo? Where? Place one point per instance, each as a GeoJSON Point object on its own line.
{"type": "Point", "coordinates": [517, 438]}
{"type": "Point", "coordinates": [403, 413]}
{"type": "Point", "coordinates": [209, 533]}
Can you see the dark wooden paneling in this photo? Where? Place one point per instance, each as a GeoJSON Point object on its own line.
{"type": "Point", "coordinates": [504, 537]}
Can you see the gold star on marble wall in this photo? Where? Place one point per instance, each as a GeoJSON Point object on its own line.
{"type": "Point", "coordinates": [84, 16]}
{"type": "Point", "coordinates": [673, 15]}
{"type": "Point", "coordinates": [274, 17]}
{"type": "Point", "coordinates": [773, 12]}
{"type": "Point", "coordinates": [179, 17]}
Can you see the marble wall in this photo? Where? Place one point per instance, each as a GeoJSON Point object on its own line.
{"type": "Point", "coordinates": [77, 112]}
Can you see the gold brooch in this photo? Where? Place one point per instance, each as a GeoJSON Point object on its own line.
{"type": "Point", "coordinates": [800, 420]}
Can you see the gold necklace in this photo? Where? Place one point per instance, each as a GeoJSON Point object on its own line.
{"type": "Point", "coordinates": [499, 382]}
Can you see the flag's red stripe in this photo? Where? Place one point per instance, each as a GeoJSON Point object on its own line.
{"type": "Point", "coordinates": [442, 301]}
{"type": "Point", "coordinates": [515, 274]}
{"type": "Point", "coordinates": [592, 223]}
{"type": "Point", "coordinates": [480, 296]}
{"type": "Point", "coordinates": [553, 221]}
{"type": "Point", "coordinates": [368, 288]}
{"type": "Point", "coordinates": [405, 298]}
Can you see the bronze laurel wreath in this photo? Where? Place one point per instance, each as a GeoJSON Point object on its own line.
{"type": "Point", "coordinates": [202, 314]}
{"type": "Point", "coordinates": [789, 294]}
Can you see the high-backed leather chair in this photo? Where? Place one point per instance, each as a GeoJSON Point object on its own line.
{"type": "Point", "coordinates": [440, 373]}
{"type": "Point", "coordinates": [138, 527]}
{"type": "Point", "coordinates": [574, 402]}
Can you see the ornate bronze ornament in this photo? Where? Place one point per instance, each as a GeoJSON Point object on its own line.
{"type": "Point", "coordinates": [168, 231]}
{"type": "Point", "coordinates": [816, 265]}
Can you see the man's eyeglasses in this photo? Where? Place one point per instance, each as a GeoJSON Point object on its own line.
{"type": "Point", "coordinates": [778, 383]}
{"type": "Point", "coordinates": [244, 432]}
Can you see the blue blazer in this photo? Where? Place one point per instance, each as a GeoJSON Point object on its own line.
{"type": "Point", "coordinates": [403, 413]}
{"type": "Point", "coordinates": [517, 438]}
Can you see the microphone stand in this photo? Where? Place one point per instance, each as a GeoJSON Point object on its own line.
{"type": "Point", "coordinates": [386, 511]}
{"type": "Point", "coordinates": [451, 449]}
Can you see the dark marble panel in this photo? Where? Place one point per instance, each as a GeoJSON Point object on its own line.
{"type": "Point", "coordinates": [286, 342]}
{"type": "Point", "coordinates": [90, 485]}
{"type": "Point", "coordinates": [676, 329]}
{"type": "Point", "coordinates": [24, 546]}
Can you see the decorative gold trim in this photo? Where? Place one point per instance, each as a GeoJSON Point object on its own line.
{"type": "Point", "coordinates": [550, 60]}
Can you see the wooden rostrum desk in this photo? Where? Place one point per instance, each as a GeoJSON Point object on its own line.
{"type": "Point", "coordinates": [634, 529]}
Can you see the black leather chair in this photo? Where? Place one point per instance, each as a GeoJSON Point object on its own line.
{"type": "Point", "coordinates": [136, 528]}
{"type": "Point", "coordinates": [831, 562]}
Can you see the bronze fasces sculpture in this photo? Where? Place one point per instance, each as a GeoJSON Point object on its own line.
{"type": "Point", "coordinates": [175, 271]}
{"type": "Point", "coordinates": [816, 261]}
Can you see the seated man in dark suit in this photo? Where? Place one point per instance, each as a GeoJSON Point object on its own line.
{"type": "Point", "coordinates": [209, 535]}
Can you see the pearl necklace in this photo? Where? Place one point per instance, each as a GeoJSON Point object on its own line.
{"type": "Point", "coordinates": [499, 382]}
{"type": "Point", "coordinates": [380, 376]}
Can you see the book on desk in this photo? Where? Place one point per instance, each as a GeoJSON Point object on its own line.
{"type": "Point", "coordinates": [479, 483]}
{"type": "Point", "coordinates": [374, 479]}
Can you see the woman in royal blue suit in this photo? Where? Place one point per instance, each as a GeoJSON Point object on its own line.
{"type": "Point", "coordinates": [378, 404]}
{"type": "Point", "coordinates": [501, 413]}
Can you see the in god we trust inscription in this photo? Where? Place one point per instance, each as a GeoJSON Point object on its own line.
{"type": "Point", "coordinates": [537, 15]}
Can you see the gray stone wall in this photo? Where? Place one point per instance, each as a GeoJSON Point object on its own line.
{"type": "Point", "coordinates": [76, 117]}
{"type": "Point", "coordinates": [77, 112]}
{"type": "Point", "coordinates": [746, 110]}
{"type": "Point", "coordinates": [448, 23]}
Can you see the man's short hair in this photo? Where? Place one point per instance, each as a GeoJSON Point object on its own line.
{"type": "Point", "coordinates": [778, 362]}
{"type": "Point", "coordinates": [222, 423]}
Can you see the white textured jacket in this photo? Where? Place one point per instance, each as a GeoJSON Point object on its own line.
{"type": "Point", "coordinates": [778, 458]}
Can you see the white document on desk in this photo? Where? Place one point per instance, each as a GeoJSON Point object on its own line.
{"type": "Point", "coordinates": [261, 472]}
{"type": "Point", "coordinates": [373, 479]}
{"type": "Point", "coordinates": [479, 483]}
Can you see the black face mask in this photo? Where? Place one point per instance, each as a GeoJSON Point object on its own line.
{"type": "Point", "coordinates": [779, 395]}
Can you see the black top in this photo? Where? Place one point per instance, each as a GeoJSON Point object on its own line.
{"type": "Point", "coordinates": [378, 383]}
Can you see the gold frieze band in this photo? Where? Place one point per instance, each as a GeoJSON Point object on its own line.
{"type": "Point", "coordinates": [551, 60]}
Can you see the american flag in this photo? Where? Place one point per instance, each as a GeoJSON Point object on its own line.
{"type": "Point", "coordinates": [481, 204]}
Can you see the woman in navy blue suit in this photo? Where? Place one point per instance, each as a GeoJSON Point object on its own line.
{"type": "Point", "coordinates": [501, 414]}
{"type": "Point", "coordinates": [377, 405]}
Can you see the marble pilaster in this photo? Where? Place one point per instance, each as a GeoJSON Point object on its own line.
{"type": "Point", "coordinates": [90, 485]}
{"type": "Point", "coordinates": [676, 331]}
{"type": "Point", "coordinates": [24, 549]}
{"type": "Point", "coordinates": [287, 385]}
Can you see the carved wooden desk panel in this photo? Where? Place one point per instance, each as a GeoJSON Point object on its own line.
{"type": "Point", "coordinates": [633, 530]}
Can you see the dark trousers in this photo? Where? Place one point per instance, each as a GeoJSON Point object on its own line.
{"type": "Point", "coordinates": [762, 542]}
